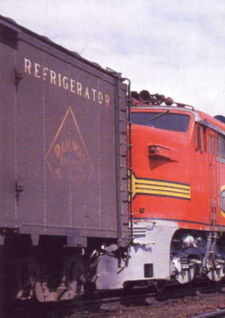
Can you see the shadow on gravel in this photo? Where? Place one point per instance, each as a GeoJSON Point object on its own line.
{"type": "Point", "coordinates": [81, 310]}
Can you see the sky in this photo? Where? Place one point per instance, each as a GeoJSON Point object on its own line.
{"type": "Point", "coordinates": [172, 47]}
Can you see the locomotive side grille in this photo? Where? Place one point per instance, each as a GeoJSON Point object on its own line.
{"type": "Point", "coordinates": [139, 232]}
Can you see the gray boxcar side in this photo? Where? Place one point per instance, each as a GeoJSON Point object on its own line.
{"type": "Point", "coordinates": [63, 132]}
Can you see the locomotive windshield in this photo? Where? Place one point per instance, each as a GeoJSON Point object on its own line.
{"type": "Point", "coordinates": [162, 120]}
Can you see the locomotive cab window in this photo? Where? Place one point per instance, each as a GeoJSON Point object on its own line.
{"type": "Point", "coordinates": [199, 138]}
{"type": "Point", "coordinates": [222, 148]}
{"type": "Point", "coordinates": [162, 120]}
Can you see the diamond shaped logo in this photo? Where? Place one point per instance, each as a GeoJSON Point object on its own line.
{"type": "Point", "coordinates": [68, 156]}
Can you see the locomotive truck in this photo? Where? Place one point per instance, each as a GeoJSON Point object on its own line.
{"type": "Point", "coordinates": [100, 188]}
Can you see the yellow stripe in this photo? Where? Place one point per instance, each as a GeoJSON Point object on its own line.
{"type": "Point", "coordinates": [156, 187]}
{"type": "Point", "coordinates": [163, 183]}
{"type": "Point", "coordinates": [164, 193]}
{"type": "Point", "coordinates": [137, 187]}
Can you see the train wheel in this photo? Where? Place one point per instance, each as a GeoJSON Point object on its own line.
{"type": "Point", "coordinates": [183, 273]}
{"type": "Point", "coordinates": [43, 293]}
{"type": "Point", "coordinates": [186, 275]}
{"type": "Point", "coordinates": [216, 274]}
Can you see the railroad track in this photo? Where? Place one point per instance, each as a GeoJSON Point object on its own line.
{"type": "Point", "coordinates": [105, 303]}
{"type": "Point", "coordinates": [218, 313]}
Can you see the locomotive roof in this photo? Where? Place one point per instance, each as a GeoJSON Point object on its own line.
{"type": "Point", "coordinates": [201, 117]}
{"type": "Point", "coordinates": [211, 122]}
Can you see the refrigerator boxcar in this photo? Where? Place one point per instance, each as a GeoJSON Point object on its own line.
{"type": "Point", "coordinates": [63, 166]}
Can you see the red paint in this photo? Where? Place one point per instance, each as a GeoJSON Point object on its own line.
{"type": "Point", "coordinates": [179, 158]}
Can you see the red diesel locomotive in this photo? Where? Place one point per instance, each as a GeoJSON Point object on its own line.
{"type": "Point", "coordinates": [178, 193]}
